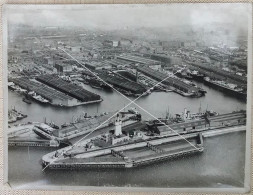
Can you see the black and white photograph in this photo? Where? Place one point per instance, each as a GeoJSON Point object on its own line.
{"type": "Point", "coordinates": [128, 96]}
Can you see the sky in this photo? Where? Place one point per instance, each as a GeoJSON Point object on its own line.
{"type": "Point", "coordinates": [110, 17]}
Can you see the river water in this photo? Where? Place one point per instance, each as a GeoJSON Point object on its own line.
{"type": "Point", "coordinates": [220, 165]}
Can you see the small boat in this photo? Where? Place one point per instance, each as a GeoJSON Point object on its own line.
{"type": "Point", "coordinates": [95, 86]}
{"type": "Point", "coordinates": [26, 100]}
{"type": "Point", "coordinates": [53, 125]}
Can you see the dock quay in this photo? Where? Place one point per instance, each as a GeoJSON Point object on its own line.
{"type": "Point", "coordinates": [126, 128]}
{"type": "Point", "coordinates": [76, 130]}
{"type": "Point", "coordinates": [35, 143]}
{"type": "Point", "coordinates": [35, 88]}
{"type": "Point", "coordinates": [23, 135]}
{"type": "Point", "coordinates": [136, 149]}
{"type": "Point", "coordinates": [179, 86]}
{"type": "Point", "coordinates": [136, 154]}
{"type": "Point", "coordinates": [214, 122]}
{"type": "Point", "coordinates": [70, 89]}
{"type": "Point", "coordinates": [44, 94]}
{"type": "Point", "coordinates": [128, 155]}
{"type": "Point", "coordinates": [29, 134]}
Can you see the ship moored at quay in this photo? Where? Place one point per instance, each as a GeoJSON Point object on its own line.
{"type": "Point", "coordinates": [51, 89]}
{"type": "Point", "coordinates": [231, 89]}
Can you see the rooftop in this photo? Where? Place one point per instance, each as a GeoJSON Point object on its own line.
{"type": "Point", "coordinates": [137, 59]}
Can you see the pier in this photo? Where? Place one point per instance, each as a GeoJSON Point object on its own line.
{"type": "Point", "coordinates": [127, 155]}
{"type": "Point", "coordinates": [68, 88]}
{"type": "Point", "coordinates": [76, 131]}
{"type": "Point", "coordinates": [177, 85]}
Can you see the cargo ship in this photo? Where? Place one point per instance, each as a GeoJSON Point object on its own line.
{"type": "Point", "coordinates": [201, 90]}
{"type": "Point", "coordinates": [29, 135]}
{"type": "Point", "coordinates": [228, 88]}
{"type": "Point", "coordinates": [44, 131]}
{"type": "Point", "coordinates": [37, 97]}
{"type": "Point", "coordinates": [188, 116]}
{"type": "Point", "coordinates": [184, 74]}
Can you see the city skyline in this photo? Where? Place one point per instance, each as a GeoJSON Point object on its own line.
{"type": "Point", "coordinates": [133, 16]}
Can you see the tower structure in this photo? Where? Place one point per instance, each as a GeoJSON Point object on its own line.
{"type": "Point", "coordinates": [118, 124]}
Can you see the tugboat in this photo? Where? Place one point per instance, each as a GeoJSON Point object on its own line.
{"type": "Point", "coordinates": [184, 75]}
{"type": "Point", "coordinates": [27, 99]}
{"type": "Point", "coordinates": [197, 76]}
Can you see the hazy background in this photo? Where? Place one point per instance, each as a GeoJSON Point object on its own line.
{"type": "Point", "coordinates": [154, 21]}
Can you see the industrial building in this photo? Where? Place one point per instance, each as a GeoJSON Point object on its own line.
{"type": "Point", "coordinates": [186, 89]}
{"type": "Point", "coordinates": [94, 65]}
{"type": "Point", "coordinates": [63, 66]}
{"type": "Point", "coordinates": [85, 125]}
{"type": "Point", "coordinates": [53, 96]}
{"type": "Point", "coordinates": [229, 119]}
{"type": "Point", "coordinates": [122, 83]}
{"type": "Point", "coordinates": [118, 63]}
{"type": "Point", "coordinates": [138, 59]}
{"type": "Point", "coordinates": [72, 90]}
